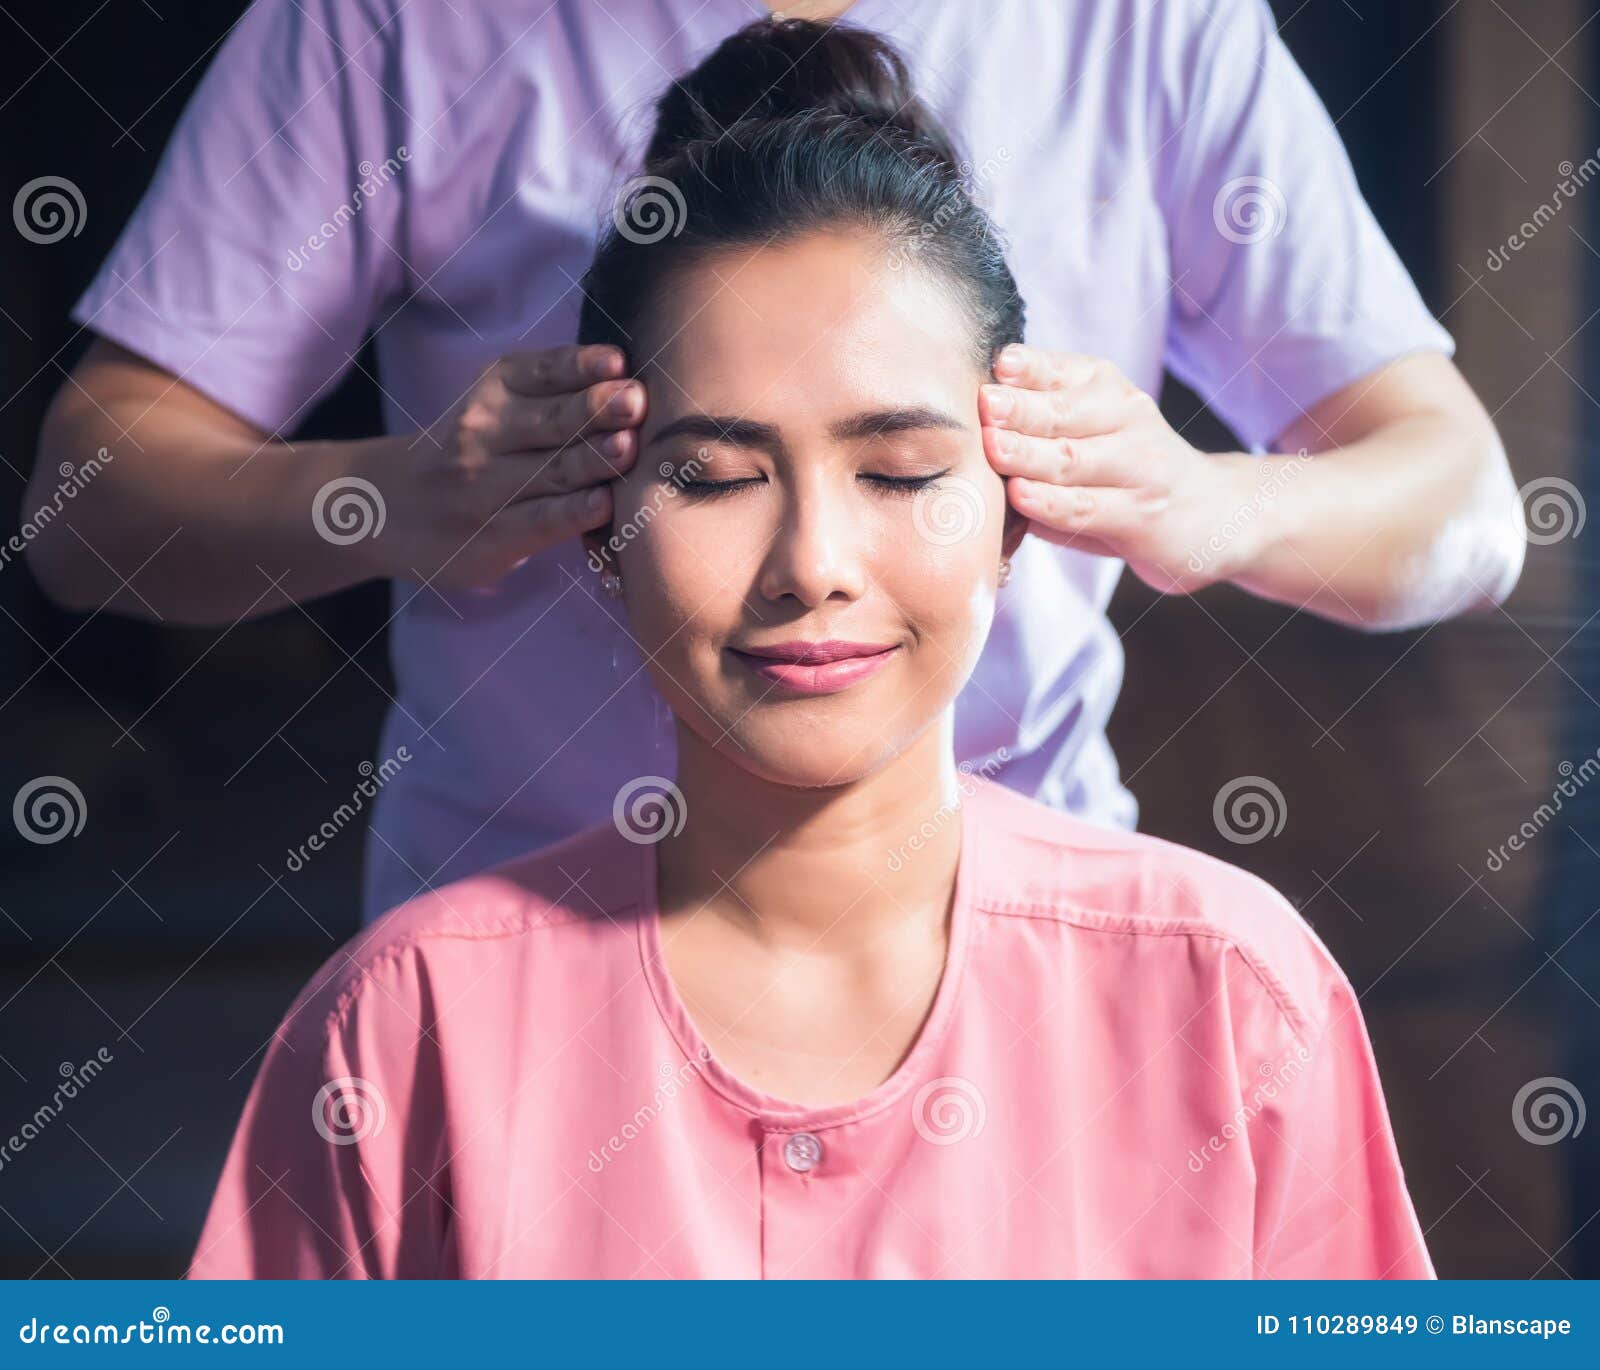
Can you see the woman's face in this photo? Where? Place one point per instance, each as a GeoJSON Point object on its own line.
{"type": "Point", "coordinates": [810, 540]}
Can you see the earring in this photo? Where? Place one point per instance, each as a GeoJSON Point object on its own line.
{"type": "Point", "coordinates": [1005, 570]}
{"type": "Point", "coordinates": [611, 583]}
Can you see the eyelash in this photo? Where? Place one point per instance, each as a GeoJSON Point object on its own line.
{"type": "Point", "coordinates": [897, 485]}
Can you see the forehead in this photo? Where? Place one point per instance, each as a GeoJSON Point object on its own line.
{"type": "Point", "coordinates": [816, 326]}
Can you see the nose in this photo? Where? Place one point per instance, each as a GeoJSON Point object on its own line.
{"type": "Point", "coordinates": [819, 548]}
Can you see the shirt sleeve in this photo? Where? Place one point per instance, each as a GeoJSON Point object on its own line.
{"type": "Point", "coordinates": [1331, 1194]}
{"type": "Point", "coordinates": [336, 1168]}
{"type": "Point", "coordinates": [266, 244]}
{"type": "Point", "coordinates": [1285, 289]}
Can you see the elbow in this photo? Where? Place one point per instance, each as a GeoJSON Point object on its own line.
{"type": "Point", "coordinates": [62, 571]}
{"type": "Point", "coordinates": [53, 573]}
{"type": "Point", "coordinates": [50, 551]}
{"type": "Point", "coordinates": [1473, 558]}
{"type": "Point", "coordinates": [1506, 555]}
{"type": "Point", "coordinates": [1497, 538]}
{"type": "Point", "coordinates": [58, 533]}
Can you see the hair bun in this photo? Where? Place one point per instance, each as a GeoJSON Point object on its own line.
{"type": "Point", "coordinates": [793, 68]}
{"type": "Point", "coordinates": [791, 127]}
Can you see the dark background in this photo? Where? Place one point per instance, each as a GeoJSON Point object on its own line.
{"type": "Point", "coordinates": [164, 934]}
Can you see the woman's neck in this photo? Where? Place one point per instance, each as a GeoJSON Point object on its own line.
{"type": "Point", "coordinates": [824, 869]}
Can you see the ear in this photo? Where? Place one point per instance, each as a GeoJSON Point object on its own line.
{"type": "Point", "coordinates": [1016, 528]}
{"type": "Point", "coordinates": [597, 553]}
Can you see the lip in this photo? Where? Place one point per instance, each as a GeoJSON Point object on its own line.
{"type": "Point", "coordinates": [816, 668]}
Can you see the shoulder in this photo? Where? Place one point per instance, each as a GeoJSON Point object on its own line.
{"type": "Point", "coordinates": [1038, 862]}
{"type": "Point", "coordinates": [1190, 25]}
{"type": "Point", "coordinates": [293, 29]}
{"type": "Point", "coordinates": [1169, 30]}
{"type": "Point", "coordinates": [1204, 49]}
{"type": "Point", "coordinates": [474, 930]}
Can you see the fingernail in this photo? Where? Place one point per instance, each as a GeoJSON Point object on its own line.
{"type": "Point", "coordinates": [622, 403]}
{"type": "Point", "coordinates": [613, 444]}
{"type": "Point", "coordinates": [596, 501]}
{"type": "Point", "coordinates": [603, 365]}
{"type": "Point", "coordinates": [1010, 358]}
{"type": "Point", "coordinates": [999, 399]}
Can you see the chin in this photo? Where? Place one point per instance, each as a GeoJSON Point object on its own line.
{"type": "Point", "coordinates": [806, 759]}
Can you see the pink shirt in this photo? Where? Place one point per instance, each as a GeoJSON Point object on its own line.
{"type": "Point", "coordinates": [1140, 1062]}
{"type": "Point", "coordinates": [1174, 195]}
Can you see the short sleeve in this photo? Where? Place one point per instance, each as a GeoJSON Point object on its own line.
{"type": "Point", "coordinates": [336, 1168]}
{"type": "Point", "coordinates": [1285, 289]}
{"type": "Point", "coordinates": [265, 246]}
{"type": "Point", "coordinates": [1331, 1195]}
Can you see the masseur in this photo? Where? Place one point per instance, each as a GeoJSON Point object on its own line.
{"type": "Point", "coordinates": [1174, 194]}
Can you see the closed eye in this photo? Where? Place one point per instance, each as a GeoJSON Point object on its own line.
{"type": "Point", "coordinates": [714, 489]}
{"type": "Point", "coordinates": [909, 484]}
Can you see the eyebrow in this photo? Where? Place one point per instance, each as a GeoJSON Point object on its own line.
{"type": "Point", "coordinates": [870, 423]}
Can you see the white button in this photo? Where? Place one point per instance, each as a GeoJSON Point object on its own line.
{"type": "Point", "coordinates": [802, 1151]}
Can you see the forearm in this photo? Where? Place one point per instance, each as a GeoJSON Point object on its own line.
{"type": "Point", "coordinates": [1413, 523]}
{"type": "Point", "coordinates": [182, 521]}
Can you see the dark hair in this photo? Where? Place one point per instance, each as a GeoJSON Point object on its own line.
{"type": "Point", "coordinates": [790, 126]}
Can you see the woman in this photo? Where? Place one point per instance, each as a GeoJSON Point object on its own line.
{"type": "Point", "coordinates": [1176, 198]}
{"type": "Point", "coordinates": [829, 1005]}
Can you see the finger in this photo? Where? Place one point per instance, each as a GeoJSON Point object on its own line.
{"type": "Point", "coordinates": [1109, 515]}
{"type": "Point", "coordinates": [1099, 407]}
{"type": "Point", "coordinates": [527, 425]}
{"type": "Point", "coordinates": [1038, 368]}
{"type": "Point", "coordinates": [535, 524]}
{"type": "Point", "coordinates": [577, 466]}
{"type": "Point", "coordinates": [1078, 542]}
{"type": "Point", "coordinates": [1103, 460]}
{"type": "Point", "coordinates": [559, 370]}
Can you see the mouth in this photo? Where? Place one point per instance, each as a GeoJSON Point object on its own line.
{"type": "Point", "coordinates": [815, 668]}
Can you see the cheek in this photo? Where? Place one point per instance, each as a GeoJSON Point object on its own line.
{"type": "Point", "coordinates": [946, 591]}
{"type": "Point", "coordinates": [684, 567]}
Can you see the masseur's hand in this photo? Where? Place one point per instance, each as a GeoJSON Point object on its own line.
{"type": "Point", "coordinates": [1090, 460]}
{"type": "Point", "coordinates": [518, 465]}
